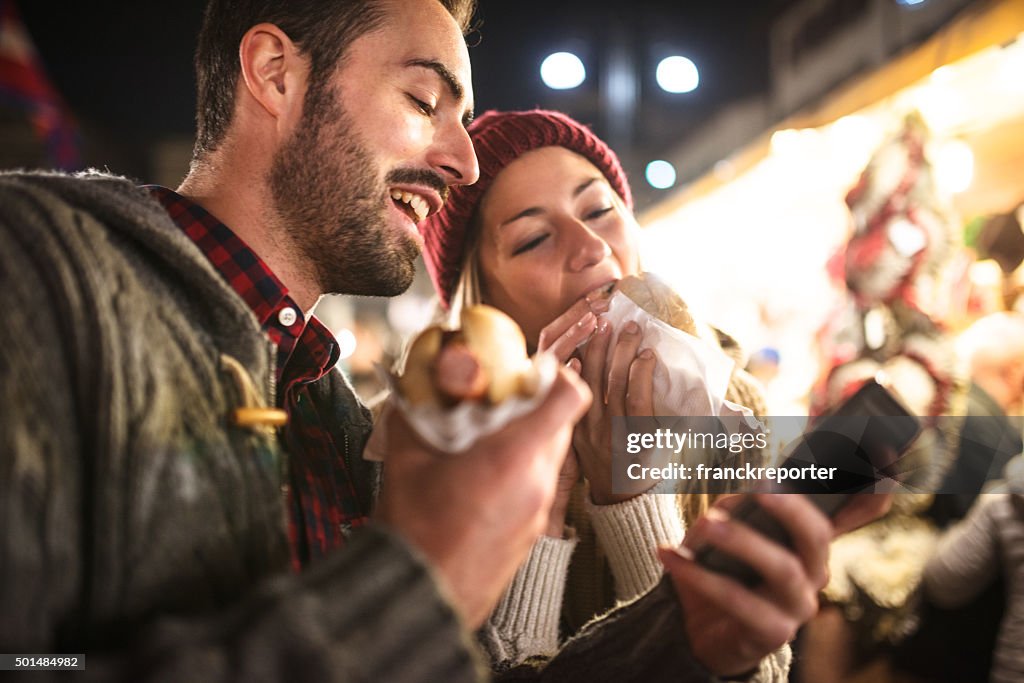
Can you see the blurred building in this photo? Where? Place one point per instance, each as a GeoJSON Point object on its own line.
{"type": "Point", "coordinates": [750, 241]}
{"type": "Point", "coordinates": [816, 46]}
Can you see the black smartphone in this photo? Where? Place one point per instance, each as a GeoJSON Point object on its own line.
{"type": "Point", "coordinates": [863, 439]}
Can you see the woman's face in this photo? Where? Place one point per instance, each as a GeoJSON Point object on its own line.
{"type": "Point", "coordinates": [553, 229]}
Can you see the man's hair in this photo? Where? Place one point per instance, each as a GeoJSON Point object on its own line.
{"type": "Point", "coordinates": [322, 30]}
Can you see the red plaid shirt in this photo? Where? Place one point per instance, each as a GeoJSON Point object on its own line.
{"type": "Point", "coordinates": [322, 501]}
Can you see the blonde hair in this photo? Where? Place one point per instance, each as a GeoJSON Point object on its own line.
{"type": "Point", "coordinates": [469, 289]}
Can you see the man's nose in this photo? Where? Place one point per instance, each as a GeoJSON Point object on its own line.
{"type": "Point", "coordinates": [453, 156]}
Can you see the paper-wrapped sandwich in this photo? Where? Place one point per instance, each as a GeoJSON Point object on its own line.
{"type": "Point", "coordinates": [461, 384]}
{"type": "Point", "coordinates": [657, 298]}
{"type": "Point", "coordinates": [692, 373]}
{"type": "Point", "coordinates": [484, 360]}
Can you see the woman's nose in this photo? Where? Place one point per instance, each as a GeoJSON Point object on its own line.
{"type": "Point", "coordinates": [587, 247]}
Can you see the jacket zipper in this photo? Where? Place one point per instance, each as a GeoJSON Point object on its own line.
{"type": "Point", "coordinates": [272, 383]}
{"type": "Point", "coordinates": [282, 460]}
{"type": "Point", "coordinates": [346, 528]}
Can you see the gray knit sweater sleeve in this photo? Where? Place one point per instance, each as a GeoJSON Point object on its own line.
{"type": "Point", "coordinates": [968, 555]}
{"type": "Point", "coordinates": [152, 543]}
{"type": "Point", "coordinates": [368, 613]}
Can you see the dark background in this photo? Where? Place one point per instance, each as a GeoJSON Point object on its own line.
{"type": "Point", "coordinates": [125, 68]}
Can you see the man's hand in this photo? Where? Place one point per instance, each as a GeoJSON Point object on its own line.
{"type": "Point", "coordinates": [861, 509]}
{"type": "Point", "coordinates": [730, 627]}
{"type": "Point", "coordinates": [475, 515]}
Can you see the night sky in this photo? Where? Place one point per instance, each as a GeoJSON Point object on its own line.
{"type": "Point", "coordinates": [125, 68]}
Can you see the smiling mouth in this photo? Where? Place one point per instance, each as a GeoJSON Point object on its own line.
{"type": "Point", "coordinates": [415, 206]}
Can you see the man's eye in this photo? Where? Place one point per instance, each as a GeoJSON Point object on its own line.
{"type": "Point", "coordinates": [532, 244]}
{"type": "Point", "coordinates": [425, 108]}
{"type": "Point", "coordinates": [598, 213]}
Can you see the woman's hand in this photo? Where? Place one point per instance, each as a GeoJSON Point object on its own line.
{"type": "Point", "coordinates": [622, 385]}
{"type": "Point", "coordinates": [566, 332]}
{"type": "Point", "coordinates": [567, 479]}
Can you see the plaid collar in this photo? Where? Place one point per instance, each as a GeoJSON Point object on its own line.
{"type": "Point", "coordinates": [307, 350]}
{"type": "Point", "coordinates": [321, 498]}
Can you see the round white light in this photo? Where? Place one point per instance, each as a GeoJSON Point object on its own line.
{"type": "Point", "coordinates": [909, 3]}
{"type": "Point", "coordinates": [954, 166]}
{"type": "Point", "coordinates": [677, 74]}
{"type": "Point", "coordinates": [785, 142]}
{"type": "Point", "coordinates": [1009, 73]}
{"type": "Point", "coordinates": [346, 342]}
{"type": "Point", "coordinates": [562, 71]}
{"type": "Point", "coordinates": [661, 174]}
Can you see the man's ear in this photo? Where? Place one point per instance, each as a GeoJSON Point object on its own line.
{"type": "Point", "coordinates": [273, 71]}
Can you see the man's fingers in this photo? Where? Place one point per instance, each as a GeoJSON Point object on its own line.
{"type": "Point", "coordinates": [861, 509]}
{"type": "Point", "coordinates": [809, 530]}
{"type": "Point", "coordinates": [402, 438]}
{"type": "Point", "coordinates": [786, 582]}
{"type": "Point", "coordinates": [756, 614]}
{"type": "Point", "coordinates": [730, 501]}
{"type": "Point", "coordinates": [567, 400]}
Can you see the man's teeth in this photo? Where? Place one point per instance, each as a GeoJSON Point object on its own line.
{"type": "Point", "coordinates": [417, 203]}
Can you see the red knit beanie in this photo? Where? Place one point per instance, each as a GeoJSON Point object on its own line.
{"type": "Point", "coordinates": [500, 138]}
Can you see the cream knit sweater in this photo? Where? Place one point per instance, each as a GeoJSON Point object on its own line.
{"type": "Point", "coordinates": [525, 622]}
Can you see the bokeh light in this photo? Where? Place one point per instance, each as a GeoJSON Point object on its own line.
{"type": "Point", "coordinates": [562, 71]}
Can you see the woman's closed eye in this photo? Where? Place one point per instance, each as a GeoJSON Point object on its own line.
{"type": "Point", "coordinates": [597, 213]}
{"type": "Point", "coordinates": [530, 244]}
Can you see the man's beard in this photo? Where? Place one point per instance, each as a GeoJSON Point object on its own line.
{"type": "Point", "coordinates": [333, 209]}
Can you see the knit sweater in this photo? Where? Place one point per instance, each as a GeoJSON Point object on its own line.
{"type": "Point", "coordinates": [526, 621]}
{"type": "Point", "coordinates": [989, 541]}
{"type": "Point", "coordinates": [139, 526]}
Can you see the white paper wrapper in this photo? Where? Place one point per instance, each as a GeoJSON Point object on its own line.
{"type": "Point", "coordinates": [691, 375]}
{"type": "Point", "coordinates": [454, 430]}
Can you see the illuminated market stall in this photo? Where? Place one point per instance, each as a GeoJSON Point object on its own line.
{"type": "Point", "coordinates": [749, 243]}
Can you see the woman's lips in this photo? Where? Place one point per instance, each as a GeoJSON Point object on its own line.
{"type": "Point", "coordinates": [597, 298]}
{"type": "Point", "coordinates": [601, 292]}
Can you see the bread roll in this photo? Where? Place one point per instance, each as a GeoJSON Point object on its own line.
{"type": "Point", "coordinates": [416, 384]}
{"type": "Point", "coordinates": [500, 346]}
{"type": "Point", "coordinates": [657, 298]}
{"type": "Point", "coordinates": [484, 360]}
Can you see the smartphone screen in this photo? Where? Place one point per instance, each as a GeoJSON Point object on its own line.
{"type": "Point", "coordinates": [863, 439]}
